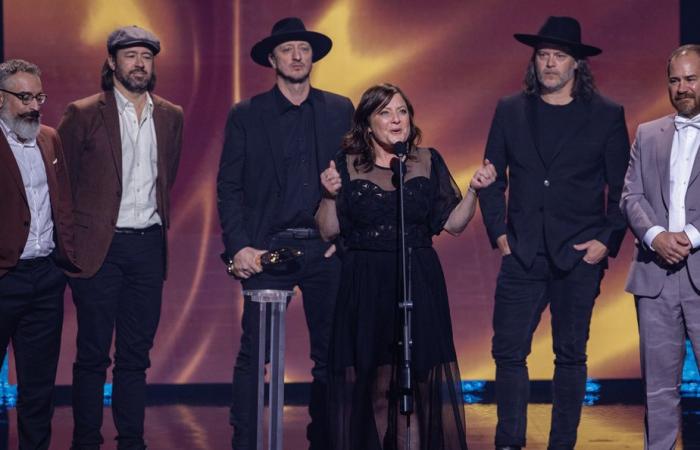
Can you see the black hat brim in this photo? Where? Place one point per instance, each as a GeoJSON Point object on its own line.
{"type": "Point", "coordinates": [578, 50]}
{"type": "Point", "coordinates": [320, 44]}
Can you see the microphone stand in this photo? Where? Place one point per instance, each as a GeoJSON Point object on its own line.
{"type": "Point", "coordinates": [405, 303]}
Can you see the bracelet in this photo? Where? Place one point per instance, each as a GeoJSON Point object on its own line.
{"type": "Point", "coordinates": [473, 191]}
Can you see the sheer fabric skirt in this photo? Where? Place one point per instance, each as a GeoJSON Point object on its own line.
{"type": "Point", "coordinates": [364, 399]}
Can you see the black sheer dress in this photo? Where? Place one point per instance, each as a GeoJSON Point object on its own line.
{"type": "Point", "coordinates": [364, 356]}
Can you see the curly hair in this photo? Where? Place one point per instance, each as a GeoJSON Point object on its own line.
{"type": "Point", "coordinates": [359, 141]}
{"type": "Point", "coordinates": [584, 84]}
{"type": "Point", "coordinates": [13, 66]}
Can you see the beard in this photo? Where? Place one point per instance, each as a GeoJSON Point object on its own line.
{"type": "Point", "coordinates": [132, 84]}
{"type": "Point", "coordinates": [686, 109]}
{"type": "Point", "coordinates": [25, 126]}
{"type": "Point", "coordinates": [563, 79]}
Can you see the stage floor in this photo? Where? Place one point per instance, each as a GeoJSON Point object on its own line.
{"type": "Point", "coordinates": [175, 427]}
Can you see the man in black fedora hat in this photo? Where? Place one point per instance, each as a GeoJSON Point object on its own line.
{"type": "Point", "coordinates": [276, 145]}
{"type": "Point", "coordinates": [561, 150]}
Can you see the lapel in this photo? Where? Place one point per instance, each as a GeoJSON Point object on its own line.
{"type": "Point", "coordinates": [696, 166]}
{"type": "Point", "coordinates": [271, 123]}
{"type": "Point", "coordinates": [663, 156]}
{"type": "Point", "coordinates": [48, 154]}
{"type": "Point", "coordinates": [110, 118]}
{"type": "Point", "coordinates": [7, 159]}
{"type": "Point", "coordinates": [531, 116]}
{"type": "Point", "coordinates": [320, 129]}
{"type": "Point", "coordinates": [160, 124]}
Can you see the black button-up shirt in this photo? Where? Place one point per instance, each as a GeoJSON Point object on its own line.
{"type": "Point", "coordinates": [302, 191]}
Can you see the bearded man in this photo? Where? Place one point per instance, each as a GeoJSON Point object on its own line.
{"type": "Point", "coordinates": [123, 149]}
{"type": "Point", "coordinates": [561, 151]}
{"type": "Point", "coordinates": [36, 241]}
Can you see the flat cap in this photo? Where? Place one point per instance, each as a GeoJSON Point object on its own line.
{"type": "Point", "coordinates": [132, 36]}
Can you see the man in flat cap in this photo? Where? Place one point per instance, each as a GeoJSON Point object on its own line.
{"type": "Point", "coordinates": [561, 151]}
{"type": "Point", "coordinates": [36, 242]}
{"type": "Point", "coordinates": [123, 148]}
{"type": "Point", "coordinates": [661, 200]}
{"type": "Point", "coordinates": [276, 145]}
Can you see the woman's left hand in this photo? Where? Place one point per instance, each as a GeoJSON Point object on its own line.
{"type": "Point", "coordinates": [484, 176]}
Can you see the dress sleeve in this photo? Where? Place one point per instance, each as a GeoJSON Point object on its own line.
{"type": "Point", "coordinates": [446, 194]}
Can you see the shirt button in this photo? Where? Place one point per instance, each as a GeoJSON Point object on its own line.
{"type": "Point", "coordinates": [546, 183]}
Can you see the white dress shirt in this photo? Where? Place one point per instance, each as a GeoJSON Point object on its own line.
{"type": "Point", "coordinates": [138, 207]}
{"type": "Point", "coordinates": [683, 153]}
{"type": "Point", "coordinates": [31, 167]}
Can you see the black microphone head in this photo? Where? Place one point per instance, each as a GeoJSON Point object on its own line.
{"type": "Point", "coordinates": [400, 148]}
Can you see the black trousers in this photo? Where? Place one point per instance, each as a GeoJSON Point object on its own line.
{"type": "Point", "coordinates": [31, 316]}
{"type": "Point", "coordinates": [123, 300]}
{"type": "Point", "coordinates": [521, 297]}
{"type": "Point", "coordinates": [318, 279]}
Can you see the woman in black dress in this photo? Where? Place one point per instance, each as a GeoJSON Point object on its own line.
{"type": "Point", "coordinates": [360, 205]}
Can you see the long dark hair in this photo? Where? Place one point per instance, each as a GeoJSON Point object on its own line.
{"type": "Point", "coordinates": [107, 80]}
{"type": "Point", "coordinates": [584, 84]}
{"type": "Point", "coordinates": [358, 141]}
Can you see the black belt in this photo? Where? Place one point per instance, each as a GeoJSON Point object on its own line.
{"type": "Point", "coordinates": [32, 262]}
{"type": "Point", "coordinates": [298, 233]}
{"type": "Point", "coordinates": [139, 231]}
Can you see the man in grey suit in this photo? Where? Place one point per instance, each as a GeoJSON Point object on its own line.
{"type": "Point", "coordinates": [661, 200]}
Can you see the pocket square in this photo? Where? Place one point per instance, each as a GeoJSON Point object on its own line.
{"type": "Point", "coordinates": [55, 161]}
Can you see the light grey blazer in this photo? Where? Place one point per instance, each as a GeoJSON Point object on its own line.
{"type": "Point", "coordinates": [645, 201]}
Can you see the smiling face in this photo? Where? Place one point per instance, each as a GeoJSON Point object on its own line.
{"type": "Point", "coordinates": [292, 60]}
{"type": "Point", "coordinates": [684, 84]}
{"type": "Point", "coordinates": [390, 124]}
{"type": "Point", "coordinates": [555, 68]}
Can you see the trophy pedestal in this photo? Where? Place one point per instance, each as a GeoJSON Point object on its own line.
{"type": "Point", "coordinates": [277, 300]}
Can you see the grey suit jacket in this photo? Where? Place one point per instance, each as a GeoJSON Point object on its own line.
{"type": "Point", "coordinates": [645, 202]}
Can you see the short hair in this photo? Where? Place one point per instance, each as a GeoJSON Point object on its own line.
{"type": "Point", "coordinates": [682, 50]}
{"type": "Point", "coordinates": [13, 66]}
{"type": "Point", "coordinates": [358, 141]}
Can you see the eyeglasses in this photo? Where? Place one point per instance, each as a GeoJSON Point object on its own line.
{"type": "Point", "coordinates": [26, 97]}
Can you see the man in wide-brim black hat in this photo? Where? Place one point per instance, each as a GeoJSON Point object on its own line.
{"type": "Point", "coordinates": [276, 145]}
{"type": "Point", "coordinates": [561, 151]}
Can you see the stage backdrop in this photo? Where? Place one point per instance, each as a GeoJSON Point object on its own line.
{"type": "Point", "coordinates": [454, 59]}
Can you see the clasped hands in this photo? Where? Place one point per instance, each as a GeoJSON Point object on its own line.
{"type": "Point", "coordinates": [671, 247]}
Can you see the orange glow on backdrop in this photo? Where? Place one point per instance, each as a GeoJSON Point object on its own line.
{"type": "Point", "coordinates": [454, 59]}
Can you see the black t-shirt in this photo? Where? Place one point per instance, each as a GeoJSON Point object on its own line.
{"type": "Point", "coordinates": [553, 123]}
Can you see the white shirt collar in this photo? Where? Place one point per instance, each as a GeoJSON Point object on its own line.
{"type": "Point", "coordinates": [123, 102]}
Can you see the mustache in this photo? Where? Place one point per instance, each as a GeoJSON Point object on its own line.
{"type": "Point", "coordinates": [682, 96]}
{"type": "Point", "coordinates": [30, 116]}
{"type": "Point", "coordinates": [138, 71]}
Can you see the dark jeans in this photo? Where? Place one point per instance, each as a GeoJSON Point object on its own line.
{"type": "Point", "coordinates": [31, 316]}
{"type": "Point", "coordinates": [521, 296]}
{"type": "Point", "coordinates": [318, 279]}
{"type": "Point", "coordinates": [123, 298]}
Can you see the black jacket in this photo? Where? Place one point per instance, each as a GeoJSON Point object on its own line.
{"type": "Point", "coordinates": [563, 198]}
{"type": "Point", "coordinates": [251, 173]}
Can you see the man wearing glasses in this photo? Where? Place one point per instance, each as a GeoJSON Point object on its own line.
{"type": "Point", "coordinates": [123, 148]}
{"type": "Point", "coordinates": [36, 236]}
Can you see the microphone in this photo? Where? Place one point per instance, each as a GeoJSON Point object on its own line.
{"type": "Point", "coordinates": [398, 168]}
{"type": "Point", "coordinates": [400, 149]}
